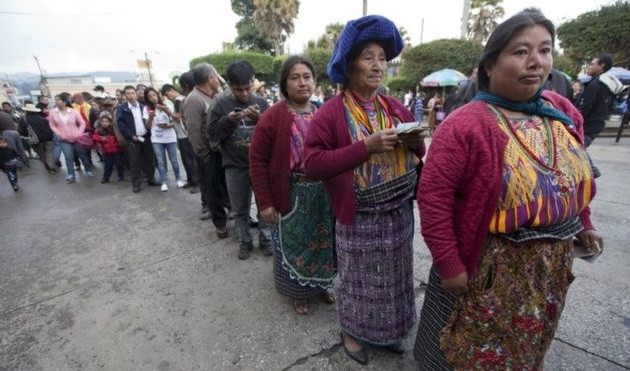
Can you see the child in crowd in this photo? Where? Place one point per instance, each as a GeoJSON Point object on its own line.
{"type": "Point", "coordinates": [104, 136]}
{"type": "Point", "coordinates": [9, 163]}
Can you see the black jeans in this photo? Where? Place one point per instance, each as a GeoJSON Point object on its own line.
{"type": "Point", "coordinates": [142, 161]}
{"type": "Point", "coordinates": [110, 161]}
{"type": "Point", "coordinates": [212, 186]}
{"type": "Point", "coordinates": [188, 159]}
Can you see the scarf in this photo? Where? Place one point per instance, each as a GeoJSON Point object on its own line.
{"type": "Point", "coordinates": [534, 106]}
{"type": "Point", "coordinates": [380, 167]}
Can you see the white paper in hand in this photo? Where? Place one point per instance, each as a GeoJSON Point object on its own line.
{"type": "Point", "coordinates": [406, 127]}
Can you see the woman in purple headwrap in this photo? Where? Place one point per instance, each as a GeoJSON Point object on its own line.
{"type": "Point", "coordinates": [369, 172]}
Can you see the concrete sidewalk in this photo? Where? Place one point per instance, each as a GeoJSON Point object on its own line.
{"type": "Point", "coordinates": [95, 277]}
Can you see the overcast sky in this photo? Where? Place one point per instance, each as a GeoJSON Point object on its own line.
{"type": "Point", "coordinates": [81, 36]}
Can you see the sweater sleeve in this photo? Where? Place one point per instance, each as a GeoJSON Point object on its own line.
{"type": "Point", "coordinates": [259, 158]}
{"type": "Point", "coordinates": [325, 153]}
{"type": "Point", "coordinates": [193, 110]}
{"type": "Point", "coordinates": [440, 180]}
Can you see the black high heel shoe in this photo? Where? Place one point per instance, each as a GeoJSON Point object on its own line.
{"type": "Point", "coordinates": [359, 356]}
{"type": "Point", "coordinates": [395, 348]}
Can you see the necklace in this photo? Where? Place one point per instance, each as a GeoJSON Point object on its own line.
{"type": "Point", "coordinates": [551, 165]}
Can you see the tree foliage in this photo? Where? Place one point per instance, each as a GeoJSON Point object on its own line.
{"type": "Point", "coordinates": [566, 65]}
{"type": "Point", "coordinates": [263, 64]}
{"type": "Point", "coordinates": [248, 37]}
{"type": "Point", "coordinates": [598, 31]}
{"type": "Point", "coordinates": [319, 57]}
{"type": "Point", "coordinates": [274, 19]}
{"type": "Point", "coordinates": [328, 39]}
{"type": "Point", "coordinates": [423, 59]}
{"type": "Point", "coordinates": [400, 84]}
{"type": "Point", "coordinates": [483, 19]}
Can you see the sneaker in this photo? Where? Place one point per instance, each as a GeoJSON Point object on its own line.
{"type": "Point", "coordinates": [153, 183]}
{"type": "Point", "coordinates": [244, 250]}
{"type": "Point", "coordinates": [164, 188]}
{"type": "Point", "coordinates": [187, 185]}
{"type": "Point", "coordinates": [266, 249]}
{"type": "Point", "coordinates": [15, 187]}
{"type": "Point", "coordinates": [136, 188]}
{"type": "Point", "coordinates": [104, 180]}
{"type": "Point", "coordinates": [89, 173]}
{"type": "Point", "coordinates": [71, 179]}
{"type": "Point", "coordinates": [180, 184]}
{"type": "Point", "coordinates": [194, 189]}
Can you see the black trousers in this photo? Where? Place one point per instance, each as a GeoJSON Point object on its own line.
{"type": "Point", "coordinates": [212, 187]}
{"type": "Point", "coordinates": [188, 159]}
{"type": "Point", "coordinates": [142, 161]}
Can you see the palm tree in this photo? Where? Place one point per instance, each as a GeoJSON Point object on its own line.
{"type": "Point", "coordinates": [483, 18]}
{"type": "Point", "coordinates": [274, 18]}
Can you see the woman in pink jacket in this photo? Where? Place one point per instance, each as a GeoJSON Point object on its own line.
{"type": "Point", "coordinates": [68, 125]}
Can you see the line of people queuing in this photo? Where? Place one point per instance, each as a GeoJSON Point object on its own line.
{"type": "Point", "coordinates": [503, 193]}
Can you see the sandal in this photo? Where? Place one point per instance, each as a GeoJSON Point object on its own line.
{"type": "Point", "coordinates": [300, 307]}
{"type": "Point", "coordinates": [328, 296]}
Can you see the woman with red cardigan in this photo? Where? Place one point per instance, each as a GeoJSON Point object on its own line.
{"type": "Point", "coordinates": [369, 171]}
{"type": "Point", "coordinates": [303, 243]}
{"type": "Point", "coordinates": [504, 191]}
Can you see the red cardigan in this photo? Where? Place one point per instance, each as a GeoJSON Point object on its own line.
{"type": "Point", "coordinates": [330, 154]}
{"type": "Point", "coordinates": [461, 181]}
{"type": "Point", "coordinates": [269, 155]}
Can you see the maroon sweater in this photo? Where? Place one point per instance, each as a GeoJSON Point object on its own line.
{"type": "Point", "coordinates": [330, 154]}
{"type": "Point", "coordinates": [461, 181]}
{"type": "Point", "coordinates": [269, 155]}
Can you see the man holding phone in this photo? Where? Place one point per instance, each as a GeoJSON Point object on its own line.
{"type": "Point", "coordinates": [232, 123]}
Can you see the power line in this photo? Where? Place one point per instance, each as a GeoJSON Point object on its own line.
{"type": "Point", "coordinates": [6, 12]}
{"type": "Point", "coordinates": [26, 38]}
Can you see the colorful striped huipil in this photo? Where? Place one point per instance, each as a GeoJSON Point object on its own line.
{"type": "Point", "coordinates": [533, 195]}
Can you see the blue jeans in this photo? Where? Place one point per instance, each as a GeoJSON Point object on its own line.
{"type": "Point", "coordinates": [160, 150]}
{"type": "Point", "coordinates": [68, 149]}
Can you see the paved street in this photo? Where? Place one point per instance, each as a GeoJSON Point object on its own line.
{"type": "Point", "coordinates": [95, 277]}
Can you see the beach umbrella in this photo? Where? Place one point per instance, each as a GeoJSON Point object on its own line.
{"type": "Point", "coordinates": [444, 77]}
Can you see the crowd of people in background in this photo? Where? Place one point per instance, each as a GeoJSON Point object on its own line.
{"type": "Point", "coordinates": [334, 182]}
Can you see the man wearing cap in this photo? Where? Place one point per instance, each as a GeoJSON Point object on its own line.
{"type": "Point", "coordinates": [99, 90]}
{"type": "Point", "coordinates": [40, 126]}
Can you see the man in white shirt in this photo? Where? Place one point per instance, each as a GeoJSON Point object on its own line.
{"type": "Point", "coordinates": [139, 148]}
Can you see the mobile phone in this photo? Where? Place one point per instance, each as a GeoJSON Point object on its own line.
{"type": "Point", "coordinates": [238, 109]}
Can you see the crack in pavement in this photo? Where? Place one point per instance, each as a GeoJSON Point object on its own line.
{"type": "Point", "coordinates": [591, 353]}
{"type": "Point", "coordinates": [327, 352]}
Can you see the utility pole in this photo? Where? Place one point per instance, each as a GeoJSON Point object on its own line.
{"type": "Point", "coordinates": [146, 59]}
{"type": "Point", "coordinates": [464, 24]}
{"type": "Point", "coordinates": [421, 31]}
{"type": "Point", "coordinates": [364, 8]}
{"type": "Point", "coordinates": [43, 84]}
